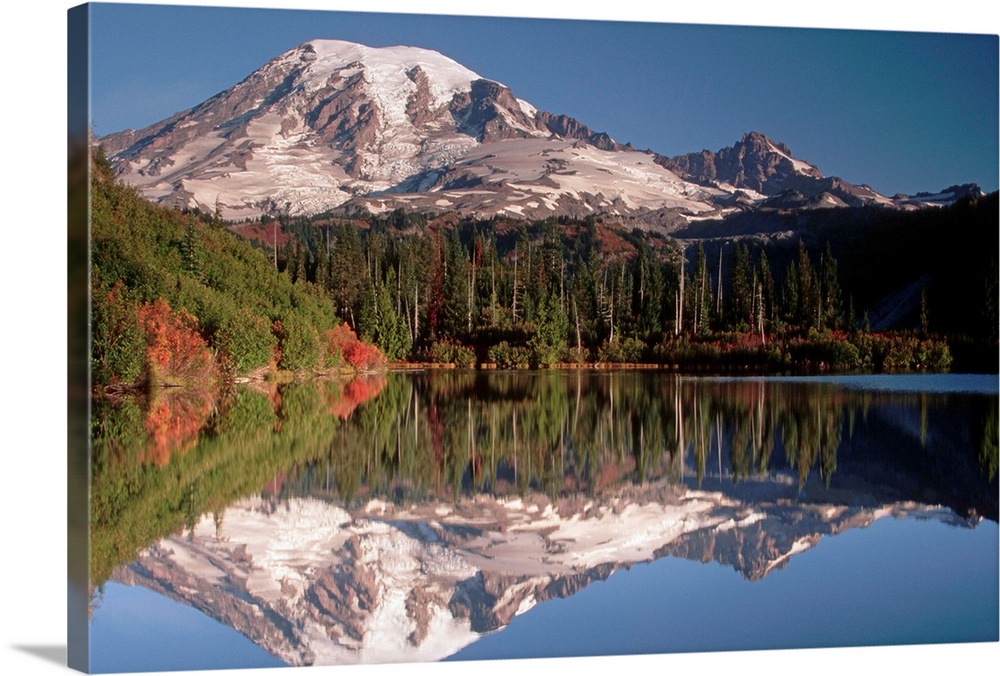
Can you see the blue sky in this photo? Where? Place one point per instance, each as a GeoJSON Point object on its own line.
{"type": "Point", "coordinates": [900, 111]}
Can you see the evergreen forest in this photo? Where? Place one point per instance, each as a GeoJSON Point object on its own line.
{"type": "Point", "coordinates": [182, 296]}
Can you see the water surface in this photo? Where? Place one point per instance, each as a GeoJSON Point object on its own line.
{"type": "Point", "coordinates": [469, 515]}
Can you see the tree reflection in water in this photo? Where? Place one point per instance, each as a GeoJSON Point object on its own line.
{"type": "Point", "coordinates": [160, 464]}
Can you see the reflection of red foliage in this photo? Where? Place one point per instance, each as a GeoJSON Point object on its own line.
{"type": "Point", "coordinates": [173, 345]}
{"type": "Point", "coordinates": [355, 393]}
{"type": "Point", "coordinates": [173, 423]}
{"type": "Point", "coordinates": [343, 344]}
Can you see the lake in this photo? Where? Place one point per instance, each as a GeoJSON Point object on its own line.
{"type": "Point", "coordinates": [457, 515]}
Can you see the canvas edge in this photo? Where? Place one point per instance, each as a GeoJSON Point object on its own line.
{"type": "Point", "coordinates": [78, 325]}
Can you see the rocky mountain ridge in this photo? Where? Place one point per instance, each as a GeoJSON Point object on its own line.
{"type": "Point", "coordinates": [336, 125]}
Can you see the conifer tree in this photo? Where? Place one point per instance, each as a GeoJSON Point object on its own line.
{"type": "Point", "coordinates": [810, 300]}
{"type": "Point", "coordinates": [741, 296]}
{"type": "Point", "coordinates": [322, 269]}
{"type": "Point", "coordinates": [347, 271]}
{"type": "Point", "coordinates": [702, 293]}
{"type": "Point", "coordinates": [455, 294]}
{"type": "Point", "coordinates": [924, 316]}
{"type": "Point", "coordinates": [832, 310]}
{"type": "Point", "coordinates": [647, 293]}
{"type": "Point", "coordinates": [790, 296]}
{"type": "Point", "coordinates": [767, 288]}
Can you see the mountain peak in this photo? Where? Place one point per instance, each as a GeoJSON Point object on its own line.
{"type": "Point", "coordinates": [762, 143]}
{"type": "Point", "coordinates": [754, 163]}
{"type": "Point", "coordinates": [332, 123]}
{"type": "Point", "coordinates": [334, 52]}
{"type": "Point", "coordinates": [755, 137]}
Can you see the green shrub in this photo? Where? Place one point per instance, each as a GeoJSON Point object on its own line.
{"type": "Point", "coordinates": [452, 352]}
{"type": "Point", "coordinates": [507, 356]}
{"type": "Point", "coordinates": [626, 351]}
{"type": "Point", "coordinates": [118, 348]}
{"type": "Point", "coordinates": [298, 342]}
{"type": "Point", "coordinates": [246, 341]}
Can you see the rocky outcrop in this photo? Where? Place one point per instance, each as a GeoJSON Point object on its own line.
{"type": "Point", "coordinates": [419, 105]}
{"type": "Point", "coordinates": [754, 163]}
{"type": "Point", "coordinates": [568, 127]}
{"type": "Point", "coordinates": [491, 113]}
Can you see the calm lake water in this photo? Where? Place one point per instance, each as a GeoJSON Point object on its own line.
{"type": "Point", "coordinates": [451, 515]}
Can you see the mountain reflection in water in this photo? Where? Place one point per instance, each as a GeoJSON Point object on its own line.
{"type": "Point", "coordinates": [401, 517]}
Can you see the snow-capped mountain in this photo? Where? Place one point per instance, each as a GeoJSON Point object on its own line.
{"type": "Point", "coordinates": [336, 124]}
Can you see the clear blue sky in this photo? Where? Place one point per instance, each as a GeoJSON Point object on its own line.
{"type": "Point", "coordinates": [900, 111]}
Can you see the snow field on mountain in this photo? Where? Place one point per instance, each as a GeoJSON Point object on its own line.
{"type": "Point", "coordinates": [388, 83]}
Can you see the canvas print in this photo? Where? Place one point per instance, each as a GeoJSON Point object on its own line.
{"type": "Point", "coordinates": [422, 338]}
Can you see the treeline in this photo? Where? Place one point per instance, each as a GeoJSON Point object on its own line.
{"type": "Point", "coordinates": [516, 294]}
{"type": "Point", "coordinates": [177, 298]}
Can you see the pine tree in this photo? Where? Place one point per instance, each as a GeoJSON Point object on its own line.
{"type": "Point", "coordinates": [551, 329]}
{"type": "Point", "coordinates": [388, 329]}
{"type": "Point", "coordinates": [322, 269]}
{"type": "Point", "coordinates": [455, 293]}
{"type": "Point", "coordinates": [302, 264]}
{"type": "Point", "coordinates": [679, 298]}
{"type": "Point", "coordinates": [347, 271]}
{"type": "Point", "coordinates": [767, 298]}
{"type": "Point", "coordinates": [790, 296]}
{"type": "Point", "coordinates": [924, 317]}
{"type": "Point", "coordinates": [702, 293]}
{"type": "Point", "coordinates": [810, 301]}
{"type": "Point", "coordinates": [741, 297]}
{"type": "Point", "coordinates": [832, 303]}
{"type": "Point", "coordinates": [289, 258]}
{"type": "Point", "coordinates": [647, 294]}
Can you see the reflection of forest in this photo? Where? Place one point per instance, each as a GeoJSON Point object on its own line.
{"type": "Point", "coordinates": [159, 465]}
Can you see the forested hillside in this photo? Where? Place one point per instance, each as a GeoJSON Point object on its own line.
{"type": "Point", "coordinates": [177, 298]}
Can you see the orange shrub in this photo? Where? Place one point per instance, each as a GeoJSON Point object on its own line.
{"type": "Point", "coordinates": [343, 347]}
{"type": "Point", "coordinates": [174, 348]}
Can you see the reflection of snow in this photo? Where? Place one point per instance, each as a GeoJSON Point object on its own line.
{"type": "Point", "coordinates": [408, 579]}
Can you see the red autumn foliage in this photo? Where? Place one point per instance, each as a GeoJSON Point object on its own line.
{"type": "Point", "coordinates": [362, 356]}
{"type": "Point", "coordinates": [355, 393]}
{"type": "Point", "coordinates": [343, 344]}
{"type": "Point", "coordinates": [174, 347]}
